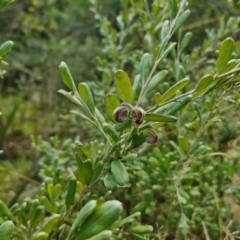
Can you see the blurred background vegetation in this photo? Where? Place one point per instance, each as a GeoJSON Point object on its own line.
{"type": "Point", "coordinates": [45, 32]}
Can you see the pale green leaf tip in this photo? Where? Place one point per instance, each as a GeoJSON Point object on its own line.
{"type": "Point", "coordinates": [63, 64]}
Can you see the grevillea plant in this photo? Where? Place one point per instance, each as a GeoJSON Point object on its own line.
{"type": "Point", "coordinates": [133, 115]}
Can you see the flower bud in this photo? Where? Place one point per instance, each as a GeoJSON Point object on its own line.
{"type": "Point", "coordinates": [151, 136]}
{"type": "Point", "coordinates": [120, 114]}
{"type": "Point", "coordinates": [138, 115]}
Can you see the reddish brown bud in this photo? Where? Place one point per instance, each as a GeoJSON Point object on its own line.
{"type": "Point", "coordinates": [138, 115]}
{"type": "Point", "coordinates": [151, 136]}
{"type": "Point", "coordinates": [120, 114]}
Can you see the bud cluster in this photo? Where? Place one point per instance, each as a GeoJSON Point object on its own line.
{"type": "Point", "coordinates": [125, 111]}
{"type": "Point", "coordinates": [136, 114]}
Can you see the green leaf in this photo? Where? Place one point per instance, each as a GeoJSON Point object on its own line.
{"type": "Point", "coordinates": [21, 215]}
{"type": "Point", "coordinates": [157, 98]}
{"type": "Point", "coordinates": [225, 53]}
{"type": "Point", "coordinates": [66, 76]}
{"type": "Point", "coordinates": [176, 106]}
{"type": "Point", "coordinates": [120, 22]}
{"type": "Point", "coordinates": [172, 45]}
{"type": "Point", "coordinates": [182, 72]}
{"type": "Point", "coordinates": [99, 116]}
{"type": "Point", "coordinates": [98, 169]}
{"type": "Point", "coordinates": [111, 103]}
{"type": "Point", "coordinates": [7, 125]}
{"type": "Point", "coordinates": [156, 80]}
{"type": "Point", "coordinates": [159, 118]}
{"type": "Point", "coordinates": [110, 131]}
{"type": "Point", "coordinates": [129, 157]}
{"type": "Point", "coordinates": [208, 105]}
{"type": "Point", "coordinates": [39, 236]}
{"type": "Point", "coordinates": [101, 219]}
{"type": "Point", "coordinates": [136, 86]}
{"type": "Point", "coordinates": [109, 181]}
{"type": "Point", "coordinates": [3, 3]}
{"type": "Point", "coordinates": [230, 66]}
{"type": "Point", "coordinates": [123, 86]}
{"type": "Point", "coordinates": [174, 89]}
{"type": "Point", "coordinates": [183, 143]}
{"type": "Point", "coordinates": [123, 125]}
{"type": "Point", "coordinates": [128, 219]}
{"type": "Point", "coordinates": [56, 192]}
{"type": "Point", "coordinates": [49, 223]}
{"type": "Point", "coordinates": [47, 204]}
{"type": "Point", "coordinates": [116, 146]}
{"type": "Point", "coordinates": [185, 41]}
{"type": "Point", "coordinates": [119, 172]}
{"type": "Point", "coordinates": [204, 82]}
{"type": "Point", "coordinates": [86, 96]}
{"type": "Point", "coordinates": [50, 191]}
{"type": "Point", "coordinates": [173, 7]}
{"type": "Point", "coordinates": [192, 127]}
{"type": "Point", "coordinates": [4, 211]}
{"type": "Point", "coordinates": [181, 20]}
{"type": "Point", "coordinates": [94, 151]}
{"type": "Point", "coordinates": [6, 230]}
{"type": "Point", "coordinates": [164, 30]}
{"type": "Point", "coordinates": [104, 235]}
{"type": "Point", "coordinates": [83, 214]}
{"type": "Point", "coordinates": [83, 152]}
{"type": "Point", "coordinates": [5, 47]}
{"type": "Point", "coordinates": [144, 65]}
{"type": "Point", "coordinates": [38, 216]}
{"type": "Point", "coordinates": [82, 115]}
{"type": "Point", "coordinates": [70, 196]}
{"type": "Point", "coordinates": [85, 170]}
{"type": "Point", "coordinates": [142, 229]}
{"type": "Point", "coordinates": [71, 97]}
{"type": "Point", "coordinates": [33, 209]}
{"type": "Point", "coordinates": [138, 140]}
{"type": "Point", "coordinates": [198, 112]}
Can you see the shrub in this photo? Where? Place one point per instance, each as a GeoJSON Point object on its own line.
{"type": "Point", "coordinates": [119, 186]}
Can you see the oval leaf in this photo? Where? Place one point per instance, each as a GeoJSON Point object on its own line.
{"type": "Point", "coordinates": [101, 219]}
{"type": "Point", "coordinates": [6, 47]}
{"type": "Point", "coordinates": [181, 20]}
{"type": "Point", "coordinates": [185, 41]}
{"type": "Point", "coordinates": [110, 130]}
{"type": "Point", "coordinates": [204, 82]}
{"type": "Point", "coordinates": [109, 181]}
{"type": "Point", "coordinates": [6, 230]}
{"type": "Point", "coordinates": [98, 169]}
{"type": "Point", "coordinates": [119, 172]}
{"type": "Point", "coordinates": [49, 223]}
{"type": "Point", "coordinates": [71, 97]}
{"type": "Point", "coordinates": [85, 170]}
{"type": "Point", "coordinates": [111, 103]}
{"type": "Point", "coordinates": [144, 65]}
{"type": "Point", "coordinates": [225, 53]}
{"type": "Point", "coordinates": [176, 106]}
{"type": "Point", "coordinates": [66, 76]}
{"type": "Point", "coordinates": [86, 96]}
{"type": "Point", "coordinates": [156, 81]}
{"type": "Point", "coordinates": [138, 140]}
{"type": "Point", "coordinates": [142, 229]}
{"type": "Point", "coordinates": [165, 30]}
{"type": "Point", "coordinates": [136, 86]}
{"type": "Point", "coordinates": [173, 90]}
{"type": "Point", "coordinates": [123, 86]}
{"type": "Point", "coordinates": [72, 186]}
{"type": "Point", "coordinates": [84, 213]}
{"type": "Point", "coordinates": [159, 118]}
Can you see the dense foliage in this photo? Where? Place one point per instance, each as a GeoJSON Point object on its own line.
{"type": "Point", "coordinates": [147, 147]}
